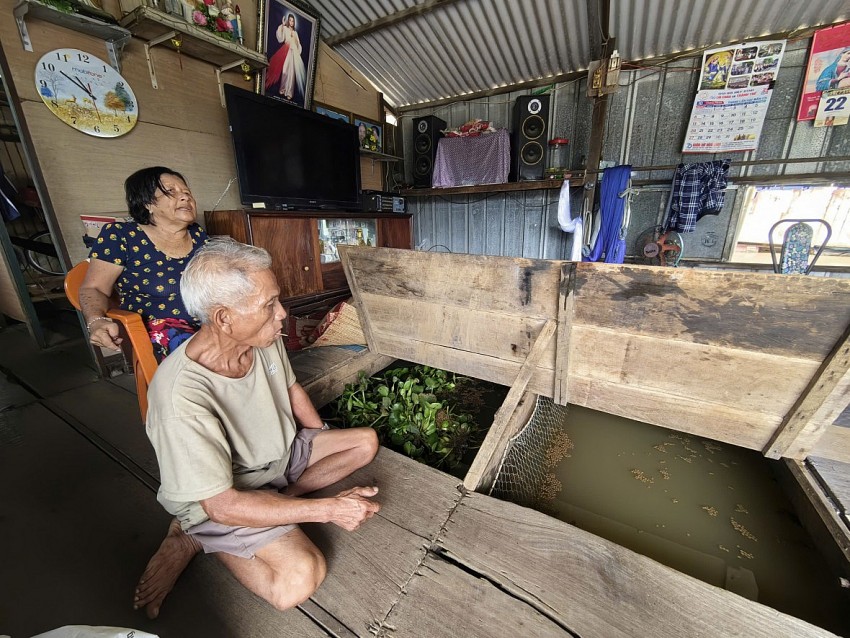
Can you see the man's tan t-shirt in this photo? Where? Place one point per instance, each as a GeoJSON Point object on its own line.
{"type": "Point", "coordinates": [212, 432]}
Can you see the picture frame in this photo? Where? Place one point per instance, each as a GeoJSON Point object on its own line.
{"type": "Point", "coordinates": [287, 25]}
{"type": "Point", "coordinates": [370, 130]}
{"type": "Point", "coordinates": [331, 112]}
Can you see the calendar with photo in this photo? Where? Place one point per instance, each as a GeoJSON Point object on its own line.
{"type": "Point", "coordinates": [733, 97]}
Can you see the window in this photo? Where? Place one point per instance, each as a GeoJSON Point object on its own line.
{"type": "Point", "coordinates": [766, 205]}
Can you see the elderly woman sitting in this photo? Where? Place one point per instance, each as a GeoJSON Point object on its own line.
{"type": "Point", "coordinates": [239, 442]}
{"type": "Point", "coordinates": [144, 260]}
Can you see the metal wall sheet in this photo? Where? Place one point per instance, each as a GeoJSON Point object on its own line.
{"type": "Point", "coordinates": [647, 120]}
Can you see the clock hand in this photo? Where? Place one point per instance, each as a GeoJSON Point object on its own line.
{"type": "Point", "coordinates": [94, 103]}
{"type": "Point", "coordinates": [88, 90]}
{"type": "Point", "coordinates": [76, 82]}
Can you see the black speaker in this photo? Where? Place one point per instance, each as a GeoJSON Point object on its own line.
{"type": "Point", "coordinates": [528, 141]}
{"type": "Point", "coordinates": [426, 134]}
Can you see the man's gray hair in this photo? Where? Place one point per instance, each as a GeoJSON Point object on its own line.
{"type": "Point", "coordinates": [219, 275]}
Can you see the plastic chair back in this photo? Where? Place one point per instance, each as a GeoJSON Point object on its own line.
{"type": "Point", "coordinates": [796, 246]}
{"type": "Point", "coordinates": [143, 359]}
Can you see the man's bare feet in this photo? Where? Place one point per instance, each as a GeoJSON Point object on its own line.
{"type": "Point", "coordinates": [164, 568]}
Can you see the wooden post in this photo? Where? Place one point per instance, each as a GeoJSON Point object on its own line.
{"type": "Point", "coordinates": [598, 17]}
{"type": "Point", "coordinates": [566, 309]}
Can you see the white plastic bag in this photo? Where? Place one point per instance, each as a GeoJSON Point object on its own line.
{"type": "Point", "coordinates": [85, 631]}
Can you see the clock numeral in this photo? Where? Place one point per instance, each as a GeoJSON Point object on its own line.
{"type": "Point", "coordinates": [48, 66]}
{"type": "Point", "coordinates": [62, 57]}
{"type": "Point", "coordinates": [54, 103]}
{"type": "Point", "coordinates": [128, 118]}
{"type": "Point", "coordinates": [73, 119]}
{"type": "Point", "coordinates": [96, 129]}
{"type": "Point", "coordinates": [115, 128]}
{"type": "Point", "coordinates": [104, 68]}
{"type": "Point", "coordinates": [82, 57]}
{"type": "Point", "coordinates": [43, 83]}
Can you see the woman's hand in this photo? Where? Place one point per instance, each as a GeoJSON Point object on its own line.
{"type": "Point", "coordinates": [104, 333]}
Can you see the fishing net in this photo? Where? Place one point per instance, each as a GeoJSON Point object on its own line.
{"type": "Point", "coordinates": [526, 475]}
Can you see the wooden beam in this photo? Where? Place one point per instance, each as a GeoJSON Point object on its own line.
{"type": "Point", "coordinates": [811, 495]}
{"type": "Point", "coordinates": [387, 21]}
{"type": "Point", "coordinates": [566, 309]}
{"type": "Point", "coordinates": [362, 311]}
{"type": "Point", "coordinates": [540, 184]}
{"type": "Point", "coordinates": [511, 88]}
{"type": "Point", "coordinates": [820, 389]}
{"type": "Point", "coordinates": [497, 438]}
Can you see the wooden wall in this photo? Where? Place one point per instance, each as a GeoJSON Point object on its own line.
{"type": "Point", "coordinates": [181, 125]}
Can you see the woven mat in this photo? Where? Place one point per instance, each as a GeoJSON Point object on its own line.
{"type": "Point", "coordinates": [344, 330]}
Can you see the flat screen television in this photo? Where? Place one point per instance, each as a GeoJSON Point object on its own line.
{"type": "Point", "coordinates": [289, 158]}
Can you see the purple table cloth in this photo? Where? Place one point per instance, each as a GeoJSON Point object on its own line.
{"type": "Point", "coordinates": [467, 161]}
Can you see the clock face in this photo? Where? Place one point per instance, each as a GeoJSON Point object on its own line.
{"type": "Point", "coordinates": [85, 92]}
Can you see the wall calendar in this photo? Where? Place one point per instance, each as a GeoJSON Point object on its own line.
{"type": "Point", "coordinates": [735, 86]}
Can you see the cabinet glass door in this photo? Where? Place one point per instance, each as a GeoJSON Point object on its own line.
{"type": "Point", "coordinates": [352, 232]}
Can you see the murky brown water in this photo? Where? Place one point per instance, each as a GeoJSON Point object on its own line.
{"type": "Point", "coordinates": [711, 510]}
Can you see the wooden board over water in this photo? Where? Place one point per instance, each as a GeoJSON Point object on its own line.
{"type": "Point", "coordinates": [756, 360]}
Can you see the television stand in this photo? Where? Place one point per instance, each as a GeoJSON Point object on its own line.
{"type": "Point", "coordinates": [302, 244]}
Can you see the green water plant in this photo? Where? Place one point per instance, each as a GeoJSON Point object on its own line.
{"type": "Point", "coordinates": [411, 410]}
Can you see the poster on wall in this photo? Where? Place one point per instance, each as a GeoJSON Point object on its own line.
{"type": "Point", "coordinates": [833, 108]}
{"type": "Point", "coordinates": [828, 68]}
{"type": "Point", "coordinates": [734, 92]}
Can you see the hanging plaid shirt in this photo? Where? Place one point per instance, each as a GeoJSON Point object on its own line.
{"type": "Point", "coordinates": [698, 190]}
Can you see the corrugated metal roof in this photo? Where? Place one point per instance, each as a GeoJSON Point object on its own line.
{"type": "Point", "coordinates": [649, 28]}
{"type": "Point", "coordinates": [417, 51]}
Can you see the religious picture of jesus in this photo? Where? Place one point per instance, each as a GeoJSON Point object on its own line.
{"type": "Point", "coordinates": [290, 36]}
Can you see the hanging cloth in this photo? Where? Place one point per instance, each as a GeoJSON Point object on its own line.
{"type": "Point", "coordinates": [698, 190]}
{"type": "Point", "coordinates": [610, 245]}
{"type": "Point", "coordinates": [569, 225]}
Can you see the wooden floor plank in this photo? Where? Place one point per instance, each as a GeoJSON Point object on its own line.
{"type": "Point", "coordinates": [597, 588]}
{"type": "Point", "coordinates": [444, 601]}
{"type": "Point", "coordinates": [368, 569]}
{"type": "Point", "coordinates": [77, 531]}
{"type": "Point", "coordinates": [412, 495]}
{"type": "Point", "coordinates": [113, 414]}
{"type": "Point", "coordinates": [13, 394]}
{"type": "Point", "coordinates": [46, 372]}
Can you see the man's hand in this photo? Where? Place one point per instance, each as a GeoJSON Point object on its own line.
{"type": "Point", "coordinates": [353, 506]}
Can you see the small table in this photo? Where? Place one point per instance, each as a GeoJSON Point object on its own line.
{"type": "Point", "coordinates": [469, 161]}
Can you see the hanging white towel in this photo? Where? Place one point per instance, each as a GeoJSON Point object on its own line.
{"type": "Point", "coordinates": [570, 225]}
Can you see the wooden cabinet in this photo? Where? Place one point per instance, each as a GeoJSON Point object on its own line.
{"type": "Point", "coordinates": [302, 245]}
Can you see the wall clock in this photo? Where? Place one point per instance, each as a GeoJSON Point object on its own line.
{"type": "Point", "coordinates": [85, 92]}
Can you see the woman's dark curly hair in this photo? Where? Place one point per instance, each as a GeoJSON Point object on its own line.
{"type": "Point", "coordinates": [140, 191]}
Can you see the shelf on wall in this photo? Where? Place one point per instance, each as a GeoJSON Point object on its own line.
{"type": "Point", "coordinates": [380, 157]}
{"type": "Point", "coordinates": [160, 28]}
{"type": "Point", "coordinates": [509, 187]}
{"type": "Point", "coordinates": [113, 35]}
{"type": "Point", "coordinates": [151, 24]}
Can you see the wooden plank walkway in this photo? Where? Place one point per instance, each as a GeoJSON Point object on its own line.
{"type": "Point", "coordinates": [437, 560]}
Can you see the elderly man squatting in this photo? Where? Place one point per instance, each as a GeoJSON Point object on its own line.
{"type": "Point", "coordinates": [239, 442]}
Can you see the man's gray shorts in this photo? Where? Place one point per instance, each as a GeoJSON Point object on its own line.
{"type": "Point", "coordinates": [246, 541]}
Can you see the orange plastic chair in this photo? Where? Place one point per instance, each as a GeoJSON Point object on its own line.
{"type": "Point", "coordinates": [144, 361]}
